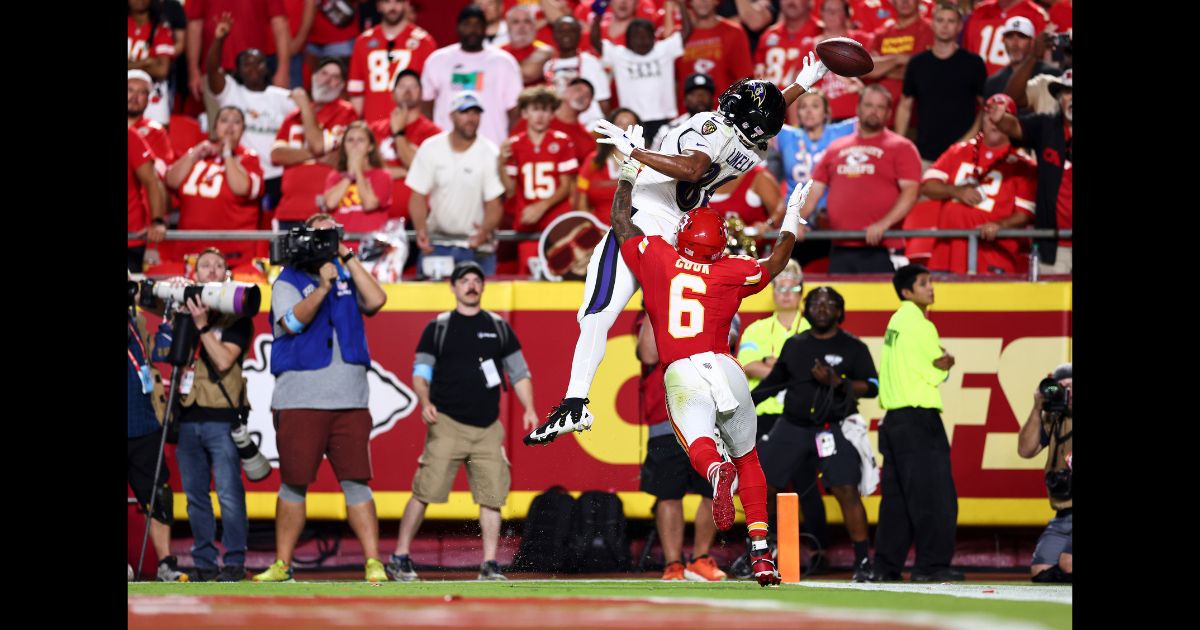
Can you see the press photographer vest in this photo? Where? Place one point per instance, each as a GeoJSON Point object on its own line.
{"type": "Point", "coordinates": [1059, 451]}
{"type": "Point", "coordinates": [205, 391]}
{"type": "Point", "coordinates": [312, 349]}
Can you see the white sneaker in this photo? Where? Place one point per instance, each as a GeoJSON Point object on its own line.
{"type": "Point", "coordinates": [570, 415]}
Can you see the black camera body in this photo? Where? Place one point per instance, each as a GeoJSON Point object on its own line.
{"type": "Point", "coordinates": [1058, 484]}
{"type": "Point", "coordinates": [1054, 396]}
{"type": "Point", "coordinates": [302, 246]}
{"type": "Point", "coordinates": [1062, 47]}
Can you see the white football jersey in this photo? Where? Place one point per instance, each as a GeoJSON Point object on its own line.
{"type": "Point", "coordinates": [707, 132]}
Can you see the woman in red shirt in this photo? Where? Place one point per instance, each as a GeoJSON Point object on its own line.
{"type": "Point", "coordinates": [219, 182]}
{"type": "Point", "coordinates": [359, 193]}
{"type": "Point", "coordinates": [597, 184]}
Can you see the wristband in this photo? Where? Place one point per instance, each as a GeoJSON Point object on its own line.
{"type": "Point", "coordinates": [206, 328]}
{"type": "Point", "coordinates": [791, 223]}
{"type": "Point", "coordinates": [348, 256]}
{"type": "Point", "coordinates": [158, 221]}
{"type": "Point", "coordinates": [423, 370]}
{"type": "Point", "coordinates": [293, 324]}
{"type": "Point", "coordinates": [400, 133]}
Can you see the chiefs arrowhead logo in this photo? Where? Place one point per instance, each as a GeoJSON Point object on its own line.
{"type": "Point", "coordinates": [390, 398]}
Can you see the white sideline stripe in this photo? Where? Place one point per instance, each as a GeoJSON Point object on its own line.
{"type": "Point", "coordinates": [1008, 592]}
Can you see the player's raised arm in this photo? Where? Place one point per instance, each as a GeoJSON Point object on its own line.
{"type": "Point", "coordinates": [812, 72]}
{"type": "Point", "coordinates": [689, 166]}
{"type": "Point", "coordinates": [787, 231]}
{"type": "Point", "coordinates": [622, 219]}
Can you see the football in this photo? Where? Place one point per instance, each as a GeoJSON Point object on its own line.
{"type": "Point", "coordinates": [845, 57]}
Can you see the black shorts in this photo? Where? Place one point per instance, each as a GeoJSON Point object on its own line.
{"type": "Point", "coordinates": [790, 453]}
{"type": "Point", "coordinates": [668, 473]}
{"type": "Point", "coordinates": [143, 455]}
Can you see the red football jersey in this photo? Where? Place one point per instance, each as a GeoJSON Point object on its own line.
{"type": "Point", "coordinates": [742, 202]}
{"type": "Point", "coordinates": [537, 169]}
{"type": "Point", "coordinates": [647, 9]}
{"type": "Point", "coordinates": [141, 48]}
{"type": "Point", "coordinates": [1061, 16]}
{"type": "Point", "coordinates": [843, 99]}
{"type": "Point", "coordinates": [722, 52]}
{"type": "Point", "coordinates": [584, 141]}
{"type": "Point", "coordinates": [690, 304]}
{"type": "Point", "coordinates": [1008, 181]}
{"type": "Point", "coordinates": [251, 26]}
{"type": "Point", "coordinates": [377, 60]}
{"type": "Point", "coordinates": [207, 203]}
{"type": "Point", "coordinates": [982, 36]}
{"type": "Point", "coordinates": [349, 212]}
{"type": "Point", "coordinates": [302, 183]}
{"type": "Point", "coordinates": [869, 15]}
{"type": "Point", "coordinates": [137, 214]}
{"type": "Point", "coordinates": [780, 54]}
{"type": "Point", "coordinates": [909, 40]}
{"type": "Point", "coordinates": [159, 141]}
{"type": "Point", "coordinates": [417, 132]}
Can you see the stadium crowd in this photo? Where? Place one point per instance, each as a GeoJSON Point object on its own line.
{"type": "Point", "coordinates": [256, 114]}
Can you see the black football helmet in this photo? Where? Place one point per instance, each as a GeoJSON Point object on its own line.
{"type": "Point", "coordinates": [754, 107]}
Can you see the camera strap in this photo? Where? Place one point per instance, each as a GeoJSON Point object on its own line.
{"type": "Point", "coordinates": [213, 374]}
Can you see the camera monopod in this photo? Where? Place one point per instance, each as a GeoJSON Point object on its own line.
{"type": "Point", "coordinates": [183, 343]}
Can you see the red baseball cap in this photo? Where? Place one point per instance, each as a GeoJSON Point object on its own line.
{"type": "Point", "coordinates": [1009, 104]}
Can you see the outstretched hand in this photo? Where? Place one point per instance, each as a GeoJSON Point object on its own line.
{"type": "Point", "coordinates": [624, 141]}
{"type": "Point", "coordinates": [814, 69]}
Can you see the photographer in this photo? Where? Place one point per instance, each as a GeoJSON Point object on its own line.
{"type": "Point", "coordinates": [208, 412]}
{"type": "Point", "coordinates": [825, 370]}
{"type": "Point", "coordinates": [1049, 424]}
{"type": "Point", "coordinates": [144, 418]}
{"type": "Point", "coordinates": [320, 360]}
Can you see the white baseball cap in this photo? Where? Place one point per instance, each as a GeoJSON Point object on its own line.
{"type": "Point", "coordinates": [141, 75]}
{"type": "Point", "coordinates": [465, 100]}
{"type": "Point", "coordinates": [1057, 84]}
{"type": "Point", "coordinates": [1018, 24]}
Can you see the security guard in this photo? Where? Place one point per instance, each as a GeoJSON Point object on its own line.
{"type": "Point", "coordinates": [919, 502]}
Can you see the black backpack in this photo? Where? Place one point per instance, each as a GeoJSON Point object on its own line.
{"type": "Point", "coordinates": [598, 542]}
{"type": "Point", "coordinates": [547, 530]}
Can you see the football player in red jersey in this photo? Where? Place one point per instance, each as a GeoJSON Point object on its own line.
{"type": "Point", "coordinates": [538, 168]}
{"type": "Point", "coordinates": [380, 53]}
{"type": "Point", "coordinates": [688, 290]}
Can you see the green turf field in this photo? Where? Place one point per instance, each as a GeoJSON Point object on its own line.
{"type": "Point", "coordinates": [1014, 602]}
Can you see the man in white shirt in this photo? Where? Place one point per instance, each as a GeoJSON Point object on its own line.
{"type": "Point", "coordinates": [571, 63]}
{"type": "Point", "coordinates": [456, 189]}
{"type": "Point", "coordinates": [644, 69]}
{"type": "Point", "coordinates": [264, 105]}
{"type": "Point", "coordinates": [468, 65]}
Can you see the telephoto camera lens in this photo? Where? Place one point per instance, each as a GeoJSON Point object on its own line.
{"type": "Point", "coordinates": [253, 462]}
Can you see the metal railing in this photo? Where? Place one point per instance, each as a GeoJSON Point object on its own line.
{"type": "Point", "coordinates": [972, 237]}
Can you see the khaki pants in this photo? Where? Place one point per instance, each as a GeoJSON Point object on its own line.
{"type": "Point", "coordinates": [448, 445]}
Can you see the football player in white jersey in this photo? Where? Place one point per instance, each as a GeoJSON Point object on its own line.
{"type": "Point", "coordinates": [696, 159]}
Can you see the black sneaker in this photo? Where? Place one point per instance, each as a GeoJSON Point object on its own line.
{"type": "Point", "coordinates": [941, 575]}
{"type": "Point", "coordinates": [570, 415]}
{"type": "Point", "coordinates": [203, 575]}
{"type": "Point", "coordinates": [888, 576]}
{"type": "Point", "coordinates": [168, 571]}
{"type": "Point", "coordinates": [400, 569]}
{"type": "Point", "coordinates": [232, 573]}
{"type": "Point", "coordinates": [864, 572]}
{"type": "Point", "coordinates": [490, 571]}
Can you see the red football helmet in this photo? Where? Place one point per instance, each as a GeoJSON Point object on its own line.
{"type": "Point", "coordinates": [701, 236]}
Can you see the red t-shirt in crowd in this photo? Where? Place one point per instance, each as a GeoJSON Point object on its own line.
{"type": "Point", "coordinates": [206, 202]}
{"type": "Point", "coordinates": [137, 215]}
{"type": "Point", "coordinates": [780, 54]}
{"type": "Point", "coordinates": [349, 211]}
{"type": "Point", "coordinates": [722, 52]}
{"type": "Point", "coordinates": [537, 169]}
{"type": "Point", "coordinates": [377, 60]}
{"type": "Point", "coordinates": [646, 9]}
{"type": "Point", "coordinates": [982, 36]}
{"type": "Point", "coordinates": [521, 54]}
{"type": "Point", "coordinates": [584, 140]}
{"type": "Point", "coordinates": [742, 202]}
{"type": "Point", "coordinates": [599, 185]}
{"type": "Point", "coordinates": [303, 183]}
{"type": "Point", "coordinates": [417, 132]}
{"type": "Point", "coordinates": [251, 25]}
{"type": "Point", "coordinates": [141, 48]}
{"type": "Point", "coordinates": [1060, 16]}
{"type": "Point", "coordinates": [869, 15]}
{"type": "Point", "coordinates": [325, 32]}
{"type": "Point", "coordinates": [891, 39]}
{"type": "Point", "coordinates": [664, 275]}
{"type": "Point", "coordinates": [1009, 183]}
{"type": "Point", "coordinates": [862, 175]}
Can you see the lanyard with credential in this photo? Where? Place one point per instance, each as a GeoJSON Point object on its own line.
{"type": "Point", "coordinates": [143, 371]}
